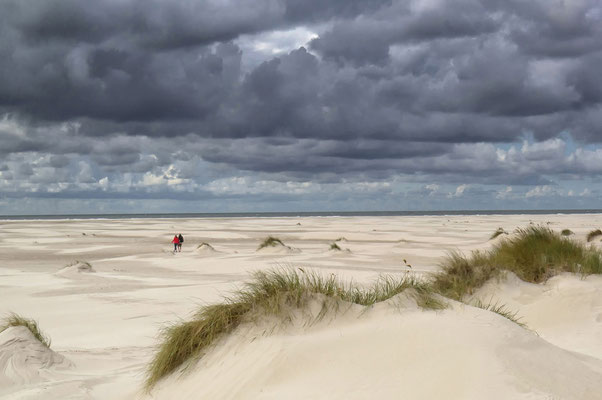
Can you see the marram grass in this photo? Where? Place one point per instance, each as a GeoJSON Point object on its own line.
{"type": "Point", "coordinates": [335, 246]}
{"type": "Point", "coordinates": [270, 241]}
{"type": "Point", "coordinates": [593, 234]}
{"type": "Point", "coordinates": [534, 254]}
{"type": "Point", "coordinates": [16, 320]}
{"type": "Point", "coordinates": [500, 309]}
{"type": "Point", "coordinates": [498, 232]}
{"type": "Point", "coordinates": [275, 293]}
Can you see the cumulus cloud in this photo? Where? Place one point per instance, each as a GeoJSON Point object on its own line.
{"type": "Point", "coordinates": [107, 97]}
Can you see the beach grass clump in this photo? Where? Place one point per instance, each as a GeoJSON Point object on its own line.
{"type": "Point", "coordinates": [335, 247]}
{"type": "Point", "coordinates": [534, 254]}
{"type": "Point", "coordinates": [500, 309]}
{"type": "Point", "coordinates": [593, 234]}
{"type": "Point", "coordinates": [272, 293]}
{"type": "Point", "coordinates": [16, 320]}
{"type": "Point", "coordinates": [270, 241]}
{"type": "Point", "coordinates": [498, 232]}
{"type": "Point", "coordinates": [566, 232]}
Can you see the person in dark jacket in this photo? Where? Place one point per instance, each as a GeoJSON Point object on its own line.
{"type": "Point", "coordinates": [180, 241]}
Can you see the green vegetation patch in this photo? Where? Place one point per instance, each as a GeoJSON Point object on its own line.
{"type": "Point", "coordinates": [272, 293]}
{"type": "Point", "coordinates": [534, 254]}
{"type": "Point", "coordinates": [500, 309]}
{"type": "Point", "coordinates": [593, 234]}
{"type": "Point", "coordinates": [270, 241]}
{"type": "Point", "coordinates": [16, 320]}
{"type": "Point", "coordinates": [498, 232]}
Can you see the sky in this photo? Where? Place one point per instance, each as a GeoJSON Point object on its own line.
{"type": "Point", "coordinates": [144, 106]}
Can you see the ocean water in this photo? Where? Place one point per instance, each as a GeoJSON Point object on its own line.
{"type": "Point", "coordinates": [300, 214]}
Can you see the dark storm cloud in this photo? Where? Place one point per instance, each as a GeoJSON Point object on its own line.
{"type": "Point", "coordinates": [387, 87]}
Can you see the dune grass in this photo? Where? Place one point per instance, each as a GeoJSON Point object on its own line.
{"type": "Point", "coordinates": [566, 232]}
{"type": "Point", "coordinates": [502, 310]}
{"type": "Point", "coordinates": [16, 320]}
{"type": "Point", "coordinates": [272, 293]}
{"type": "Point", "coordinates": [270, 241]}
{"type": "Point", "coordinates": [335, 246]}
{"type": "Point", "coordinates": [498, 232]}
{"type": "Point", "coordinates": [534, 254]}
{"type": "Point", "coordinates": [593, 234]}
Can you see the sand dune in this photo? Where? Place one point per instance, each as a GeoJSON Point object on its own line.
{"type": "Point", "coordinates": [566, 310]}
{"type": "Point", "coordinates": [76, 268]}
{"type": "Point", "coordinates": [24, 360]}
{"type": "Point", "coordinates": [388, 352]}
{"type": "Point", "coordinates": [107, 323]}
{"type": "Point", "coordinates": [206, 249]}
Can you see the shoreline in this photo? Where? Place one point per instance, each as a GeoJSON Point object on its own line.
{"type": "Point", "coordinates": [316, 214]}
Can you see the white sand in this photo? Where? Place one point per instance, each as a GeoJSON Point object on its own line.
{"type": "Point", "coordinates": [105, 323]}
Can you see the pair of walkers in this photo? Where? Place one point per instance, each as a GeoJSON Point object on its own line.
{"type": "Point", "coordinates": [177, 243]}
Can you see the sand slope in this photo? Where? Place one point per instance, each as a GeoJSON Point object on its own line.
{"type": "Point", "coordinates": [566, 310]}
{"type": "Point", "coordinates": [24, 360]}
{"type": "Point", "coordinates": [389, 353]}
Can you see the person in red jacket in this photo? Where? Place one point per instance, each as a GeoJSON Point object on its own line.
{"type": "Point", "coordinates": [175, 242]}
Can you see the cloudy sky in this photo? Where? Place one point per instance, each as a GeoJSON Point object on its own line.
{"type": "Point", "coordinates": [299, 105]}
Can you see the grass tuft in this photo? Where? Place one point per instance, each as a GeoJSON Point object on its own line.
{"type": "Point", "coordinates": [566, 232]}
{"type": "Point", "coordinates": [270, 241]}
{"type": "Point", "coordinates": [335, 246]}
{"type": "Point", "coordinates": [502, 310]}
{"type": "Point", "coordinates": [498, 232]}
{"type": "Point", "coordinates": [272, 293]}
{"type": "Point", "coordinates": [534, 254]}
{"type": "Point", "coordinates": [593, 234]}
{"type": "Point", "coordinates": [16, 320]}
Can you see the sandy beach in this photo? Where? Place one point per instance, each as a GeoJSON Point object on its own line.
{"type": "Point", "coordinates": [105, 321]}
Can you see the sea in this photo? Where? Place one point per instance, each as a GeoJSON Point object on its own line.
{"type": "Point", "coordinates": [299, 214]}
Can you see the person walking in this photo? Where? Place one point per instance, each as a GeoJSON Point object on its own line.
{"type": "Point", "coordinates": [176, 242]}
{"type": "Point", "coordinates": [180, 241]}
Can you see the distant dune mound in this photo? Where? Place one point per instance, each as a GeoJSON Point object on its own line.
{"type": "Point", "coordinates": [206, 249]}
{"type": "Point", "coordinates": [278, 249]}
{"type": "Point", "coordinates": [335, 249]}
{"type": "Point", "coordinates": [272, 245]}
{"type": "Point", "coordinates": [75, 269]}
{"type": "Point", "coordinates": [25, 360]}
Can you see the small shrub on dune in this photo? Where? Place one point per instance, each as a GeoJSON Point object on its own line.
{"type": "Point", "coordinates": [498, 232]}
{"type": "Point", "coordinates": [270, 241]}
{"type": "Point", "coordinates": [566, 232]}
{"type": "Point", "coordinates": [273, 293]}
{"type": "Point", "coordinates": [335, 247]}
{"type": "Point", "coordinates": [16, 320]}
{"type": "Point", "coordinates": [593, 234]}
{"type": "Point", "coordinates": [535, 254]}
